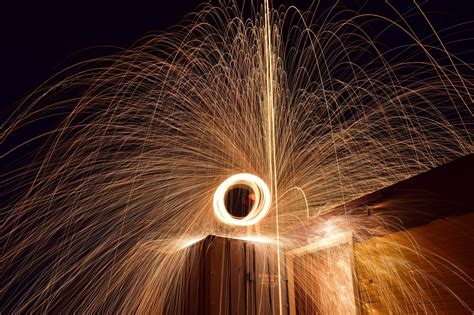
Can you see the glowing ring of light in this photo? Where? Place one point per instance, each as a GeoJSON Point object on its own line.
{"type": "Point", "coordinates": [261, 204]}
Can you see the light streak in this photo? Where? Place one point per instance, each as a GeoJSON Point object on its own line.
{"type": "Point", "coordinates": [188, 242]}
{"type": "Point", "coordinates": [137, 168]}
{"type": "Point", "coordinates": [261, 204]}
{"type": "Point", "coordinates": [257, 239]}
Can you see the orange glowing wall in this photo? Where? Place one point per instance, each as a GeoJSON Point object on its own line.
{"type": "Point", "coordinates": [426, 270]}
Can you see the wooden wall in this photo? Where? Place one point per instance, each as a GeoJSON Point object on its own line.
{"type": "Point", "coordinates": [223, 276]}
{"type": "Point", "coordinates": [322, 281]}
{"type": "Point", "coordinates": [425, 270]}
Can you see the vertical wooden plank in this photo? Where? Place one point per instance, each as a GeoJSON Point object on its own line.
{"type": "Point", "coordinates": [285, 293]}
{"type": "Point", "coordinates": [291, 284]}
{"type": "Point", "coordinates": [193, 278]}
{"type": "Point", "coordinates": [275, 280]}
{"type": "Point", "coordinates": [216, 265]}
{"type": "Point", "coordinates": [237, 278]}
{"type": "Point", "coordinates": [250, 277]}
{"type": "Point", "coordinates": [263, 288]}
{"type": "Point", "coordinates": [204, 292]}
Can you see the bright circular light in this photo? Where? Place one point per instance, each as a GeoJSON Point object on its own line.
{"type": "Point", "coordinates": [261, 204]}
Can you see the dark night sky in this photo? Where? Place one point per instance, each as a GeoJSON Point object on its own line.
{"type": "Point", "coordinates": [41, 38]}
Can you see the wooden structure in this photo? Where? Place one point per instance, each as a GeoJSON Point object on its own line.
{"type": "Point", "coordinates": [429, 213]}
{"type": "Point", "coordinates": [229, 277]}
{"type": "Point", "coordinates": [423, 228]}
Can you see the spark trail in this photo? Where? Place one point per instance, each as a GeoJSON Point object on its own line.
{"type": "Point", "coordinates": [102, 214]}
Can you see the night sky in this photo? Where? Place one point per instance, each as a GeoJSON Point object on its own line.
{"type": "Point", "coordinates": [41, 38]}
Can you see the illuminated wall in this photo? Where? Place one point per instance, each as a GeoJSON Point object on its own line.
{"type": "Point", "coordinates": [429, 270]}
